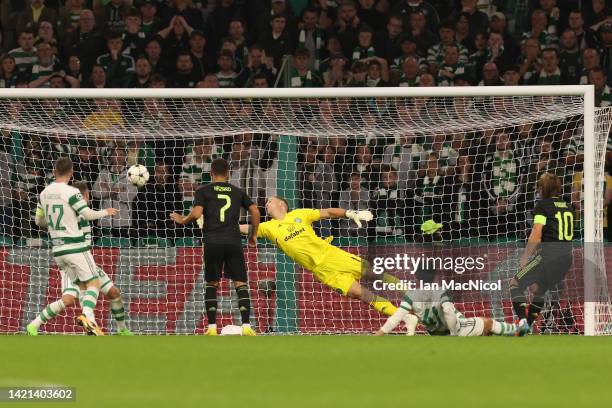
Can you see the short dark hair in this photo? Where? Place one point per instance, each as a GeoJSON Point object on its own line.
{"type": "Point", "coordinates": [301, 52]}
{"type": "Point", "coordinates": [63, 166]}
{"type": "Point", "coordinates": [113, 35]}
{"type": "Point", "coordinates": [549, 185]}
{"type": "Point", "coordinates": [81, 186]}
{"type": "Point", "coordinates": [219, 167]}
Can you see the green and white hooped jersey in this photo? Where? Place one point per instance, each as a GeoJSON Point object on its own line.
{"type": "Point", "coordinates": [62, 204]}
{"type": "Point", "coordinates": [427, 306]}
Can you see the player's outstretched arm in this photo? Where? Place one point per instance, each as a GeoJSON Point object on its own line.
{"type": "Point", "coordinates": [532, 244]}
{"type": "Point", "coordinates": [254, 226]}
{"type": "Point", "coordinates": [92, 215]}
{"type": "Point", "coordinates": [195, 213]}
{"type": "Point", "coordinates": [357, 216]}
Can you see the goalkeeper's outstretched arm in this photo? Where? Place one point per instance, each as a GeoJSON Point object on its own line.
{"type": "Point", "coordinates": [357, 216]}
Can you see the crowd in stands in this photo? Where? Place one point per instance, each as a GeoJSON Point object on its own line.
{"type": "Point", "coordinates": [482, 183]}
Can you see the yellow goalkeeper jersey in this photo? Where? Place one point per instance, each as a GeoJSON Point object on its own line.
{"type": "Point", "coordinates": [296, 238]}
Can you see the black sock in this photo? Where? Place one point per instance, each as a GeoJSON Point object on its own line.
{"type": "Point", "coordinates": [210, 303]}
{"type": "Point", "coordinates": [534, 311]}
{"type": "Point", "coordinates": [519, 302]}
{"type": "Point", "coordinates": [244, 303]}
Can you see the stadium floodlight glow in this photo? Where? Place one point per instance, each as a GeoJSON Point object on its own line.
{"type": "Point", "coordinates": [290, 119]}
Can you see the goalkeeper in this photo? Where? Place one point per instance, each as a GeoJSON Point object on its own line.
{"type": "Point", "coordinates": [292, 233]}
{"type": "Point", "coordinates": [435, 310]}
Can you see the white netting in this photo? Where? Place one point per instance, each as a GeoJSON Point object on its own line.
{"type": "Point", "coordinates": [468, 162]}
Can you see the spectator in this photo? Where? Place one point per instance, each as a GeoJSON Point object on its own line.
{"type": "Point", "coordinates": [226, 75]}
{"type": "Point", "coordinates": [301, 76]}
{"type": "Point", "coordinates": [158, 81]}
{"type": "Point", "coordinates": [260, 81]}
{"type": "Point", "coordinates": [370, 14]}
{"type": "Point", "coordinates": [497, 52]}
{"type": "Point", "coordinates": [604, 45]}
{"type": "Point", "coordinates": [337, 75]}
{"type": "Point", "coordinates": [332, 46]}
{"type": "Point", "coordinates": [142, 74]}
{"type": "Point", "coordinates": [421, 33]}
{"type": "Point", "coordinates": [597, 77]}
{"type": "Point", "coordinates": [237, 31]}
{"type": "Point", "coordinates": [451, 66]}
{"type": "Point", "coordinates": [107, 115]}
{"type": "Point", "coordinates": [119, 67]}
{"type": "Point", "coordinates": [69, 15]}
{"type": "Point", "coordinates": [6, 186]}
{"type": "Point", "coordinates": [139, 152]}
{"type": "Point", "coordinates": [153, 52]}
{"type": "Point", "coordinates": [490, 75]}
{"type": "Point", "coordinates": [134, 39]}
{"type": "Point", "coordinates": [387, 203]}
{"type": "Point", "coordinates": [97, 79]}
{"type": "Point", "coordinates": [590, 60]}
{"type": "Point", "coordinates": [114, 190]}
{"type": "Point", "coordinates": [530, 61]}
{"type": "Point", "coordinates": [512, 76]}
{"type": "Point", "coordinates": [426, 79]}
{"type": "Point", "coordinates": [410, 72]}
{"type": "Point", "coordinates": [316, 179]}
{"type": "Point", "coordinates": [550, 74]}
{"type": "Point", "coordinates": [175, 37]}
{"type": "Point", "coordinates": [364, 49]}
{"type": "Point", "coordinates": [549, 7]}
{"type": "Point", "coordinates": [462, 33]}
{"type": "Point", "coordinates": [111, 16]}
{"type": "Point", "coordinates": [85, 42]}
{"type": "Point", "coordinates": [312, 37]}
{"type": "Point", "coordinates": [33, 15]}
{"type": "Point", "coordinates": [87, 164]}
{"type": "Point", "coordinates": [355, 197]}
{"type": "Point", "coordinates": [45, 33]}
{"type": "Point", "coordinates": [218, 21]}
{"type": "Point", "coordinates": [188, 13]}
{"type": "Point", "coordinates": [539, 30]}
{"type": "Point", "coordinates": [185, 75]}
{"type": "Point", "coordinates": [596, 11]}
{"type": "Point", "coordinates": [576, 24]}
{"type": "Point", "coordinates": [209, 81]}
{"type": "Point", "coordinates": [257, 64]}
{"type": "Point", "coordinates": [498, 24]}
{"type": "Point", "coordinates": [25, 55]}
{"type": "Point", "coordinates": [29, 182]}
{"type": "Point", "coordinates": [429, 192]}
{"type": "Point", "coordinates": [437, 54]}
{"type": "Point", "coordinates": [408, 49]}
{"type": "Point", "coordinates": [478, 21]}
{"type": "Point", "coordinates": [404, 156]}
{"type": "Point", "coordinates": [481, 56]}
{"type": "Point", "coordinates": [201, 61]}
{"type": "Point", "coordinates": [150, 20]}
{"type": "Point", "coordinates": [378, 72]}
{"type": "Point", "coordinates": [73, 68]}
{"type": "Point", "coordinates": [195, 168]}
{"type": "Point", "coordinates": [387, 42]}
{"type": "Point", "coordinates": [347, 26]}
{"type": "Point", "coordinates": [8, 72]}
{"type": "Point", "coordinates": [152, 204]}
{"type": "Point", "coordinates": [569, 58]}
{"type": "Point", "coordinates": [277, 42]}
{"type": "Point", "coordinates": [46, 65]}
{"type": "Point", "coordinates": [408, 7]}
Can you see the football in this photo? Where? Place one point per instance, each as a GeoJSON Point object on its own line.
{"type": "Point", "coordinates": [138, 175]}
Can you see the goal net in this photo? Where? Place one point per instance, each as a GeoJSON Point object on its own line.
{"type": "Point", "coordinates": [467, 158]}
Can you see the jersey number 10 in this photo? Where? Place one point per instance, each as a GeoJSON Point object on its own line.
{"type": "Point", "coordinates": [566, 225]}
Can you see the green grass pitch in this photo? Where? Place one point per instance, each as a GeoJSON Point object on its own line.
{"type": "Point", "coordinates": [314, 371]}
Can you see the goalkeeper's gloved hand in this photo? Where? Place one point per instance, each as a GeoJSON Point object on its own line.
{"type": "Point", "coordinates": [359, 216]}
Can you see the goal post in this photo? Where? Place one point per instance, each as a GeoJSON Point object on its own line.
{"type": "Point", "coordinates": [308, 145]}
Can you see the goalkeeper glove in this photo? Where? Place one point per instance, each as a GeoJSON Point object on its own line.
{"type": "Point", "coordinates": [359, 216]}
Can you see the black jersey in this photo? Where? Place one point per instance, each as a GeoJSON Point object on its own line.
{"type": "Point", "coordinates": [222, 203]}
{"type": "Point", "coordinates": [557, 217]}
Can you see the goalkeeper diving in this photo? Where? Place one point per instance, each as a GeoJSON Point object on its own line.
{"type": "Point", "coordinates": [435, 310]}
{"type": "Point", "coordinates": [292, 233]}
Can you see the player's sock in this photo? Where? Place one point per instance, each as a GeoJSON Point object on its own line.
{"type": "Point", "coordinates": [118, 312]}
{"type": "Point", "coordinates": [388, 278]}
{"type": "Point", "coordinates": [210, 303]}
{"type": "Point", "coordinates": [81, 294]}
{"type": "Point", "coordinates": [383, 305]}
{"type": "Point", "coordinates": [519, 301]}
{"type": "Point", "coordinates": [503, 328]}
{"type": "Point", "coordinates": [49, 312]}
{"type": "Point", "coordinates": [244, 303]}
{"type": "Point", "coordinates": [90, 298]}
{"type": "Point", "coordinates": [534, 311]}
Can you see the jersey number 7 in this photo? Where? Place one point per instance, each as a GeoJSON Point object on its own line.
{"type": "Point", "coordinates": [228, 204]}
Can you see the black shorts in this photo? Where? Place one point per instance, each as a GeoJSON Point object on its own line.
{"type": "Point", "coordinates": [547, 270]}
{"type": "Point", "coordinates": [228, 258]}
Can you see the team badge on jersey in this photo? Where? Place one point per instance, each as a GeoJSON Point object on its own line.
{"type": "Point", "coordinates": [298, 219]}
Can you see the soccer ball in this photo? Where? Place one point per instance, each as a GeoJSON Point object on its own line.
{"type": "Point", "coordinates": [138, 175]}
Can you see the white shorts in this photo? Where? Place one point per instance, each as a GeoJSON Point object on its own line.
{"type": "Point", "coordinates": [468, 327]}
{"type": "Point", "coordinates": [72, 289]}
{"type": "Point", "coordinates": [79, 267]}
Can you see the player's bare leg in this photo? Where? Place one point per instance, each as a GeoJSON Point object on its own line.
{"type": "Point", "coordinates": [356, 291]}
{"type": "Point", "coordinates": [210, 303]}
{"type": "Point", "coordinates": [244, 304]}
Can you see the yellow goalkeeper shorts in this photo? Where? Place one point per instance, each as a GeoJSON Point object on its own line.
{"type": "Point", "coordinates": [339, 270]}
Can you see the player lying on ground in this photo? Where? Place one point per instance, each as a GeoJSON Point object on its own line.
{"type": "Point", "coordinates": [435, 310]}
{"type": "Point", "coordinates": [292, 233]}
{"type": "Point", "coordinates": [71, 291]}
{"type": "Point", "coordinates": [59, 208]}
{"type": "Point", "coordinates": [548, 255]}
{"type": "Point", "coordinates": [220, 202]}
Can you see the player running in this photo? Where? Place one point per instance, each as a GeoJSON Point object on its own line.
{"type": "Point", "coordinates": [59, 209]}
{"type": "Point", "coordinates": [220, 202]}
{"type": "Point", "coordinates": [292, 233]}
{"type": "Point", "coordinates": [435, 310]}
{"type": "Point", "coordinates": [548, 255]}
{"type": "Point", "coordinates": [71, 291]}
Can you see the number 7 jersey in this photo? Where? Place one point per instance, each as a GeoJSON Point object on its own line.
{"type": "Point", "coordinates": [62, 205]}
